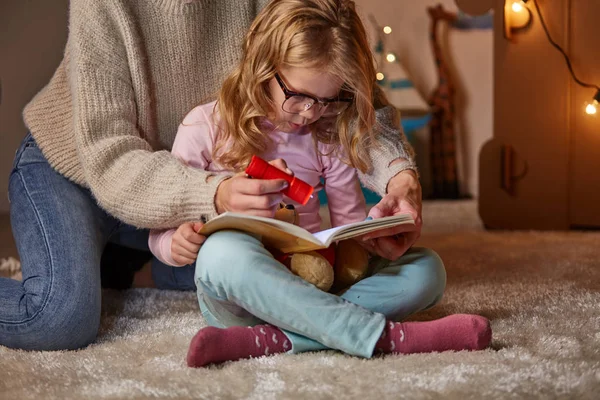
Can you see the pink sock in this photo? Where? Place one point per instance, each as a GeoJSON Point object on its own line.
{"type": "Point", "coordinates": [214, 345]}
{"type": "Point", "coordinates": [454, 332]}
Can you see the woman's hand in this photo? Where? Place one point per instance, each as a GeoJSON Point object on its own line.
{"type": "Point", "coordinates": [403, 196]}
{"type": "Point", "coordinates": [259, 197]}
{"type": "Point", "coordinates": [186, 243]}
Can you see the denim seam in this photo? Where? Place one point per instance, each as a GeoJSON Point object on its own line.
{"type": "Point", "coordinates": [17, 159]}
{"type": "Point", "coordinates": [113, 230]}
{"type": "Point", "coordinates": [37, 216]}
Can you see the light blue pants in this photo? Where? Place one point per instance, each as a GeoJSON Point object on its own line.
{"type": "Point", "coordinates": [241, 284]}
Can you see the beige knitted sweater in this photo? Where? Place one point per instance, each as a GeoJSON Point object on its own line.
{"type": "Point", "coordinates": [131, 71]}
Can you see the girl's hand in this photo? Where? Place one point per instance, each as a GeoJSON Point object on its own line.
{"type": "Point", "coordinates": [259, 197]}
{"type": "Point", "coordinates": [403, 196]}
{"type": "Point", "coordinates": [186, 243]}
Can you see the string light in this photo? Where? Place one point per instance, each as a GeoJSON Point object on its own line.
{"type": "Point", "coordinates": [517, 7]}
{"type": "Point", "coordinates": [381, 46]}
{"type": "Point", "coordinates": [591, 108]}
{"type": "Point", "coordinates": [516, 17]}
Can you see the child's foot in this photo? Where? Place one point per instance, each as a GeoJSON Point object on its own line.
{"type": "Point", "coordinates": [454, 332]}
{"type": "Point", "coordinates": [215, 345]}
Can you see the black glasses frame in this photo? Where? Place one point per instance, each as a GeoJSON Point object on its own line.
{"type": "Point", "coordinates": [322, 102]}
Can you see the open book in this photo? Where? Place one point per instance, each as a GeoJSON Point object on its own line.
{"type": "Point", "coordinates": [290, 238]}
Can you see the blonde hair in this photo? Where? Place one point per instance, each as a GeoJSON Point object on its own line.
{"type": "Point", "coordinates": [323, 34]}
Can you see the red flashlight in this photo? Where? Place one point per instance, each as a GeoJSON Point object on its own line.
{"type": "Point", "coordinates": [297, 189]}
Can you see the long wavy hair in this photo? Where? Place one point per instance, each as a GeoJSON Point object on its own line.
{"type": "Point", "coordinates": [322, 34]}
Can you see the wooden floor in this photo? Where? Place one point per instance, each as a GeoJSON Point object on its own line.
{"type": "Point", "coordinates": [7, 243]}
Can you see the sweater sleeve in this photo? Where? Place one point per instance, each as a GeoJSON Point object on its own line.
{"type": "Point", "coordinates": [260, 4]}
{"type": "Point", "coordinates": [140, 186]}
{"type": "Point", "coordinates": [193, 146]}
{"type": "Point", "coordinates": [391, 145]}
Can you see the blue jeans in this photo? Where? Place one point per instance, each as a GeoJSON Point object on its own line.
{"type": "Point", "coordinates": [247, 286]}
{"type": "Point", "coordinates": [60, 232]}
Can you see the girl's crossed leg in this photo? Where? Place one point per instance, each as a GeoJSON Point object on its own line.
{"type": "Point", "coordinates": [240, 285]}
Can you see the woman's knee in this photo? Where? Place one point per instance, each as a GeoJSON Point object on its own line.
{"type": "Point", "coordinates": [76, 331]}
{"type": "Point", "coordinates": [57, 325]}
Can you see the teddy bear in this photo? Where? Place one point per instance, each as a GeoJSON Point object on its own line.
{"type": "Point", "coordinates": [334, 268]}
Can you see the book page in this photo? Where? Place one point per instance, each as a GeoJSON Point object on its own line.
{"type": "Point", "coordinates": [290, 238]}
{"type": "Point", "coordinates": [274, 233]}
{"type": "Point", "coordinates": [360, 228]}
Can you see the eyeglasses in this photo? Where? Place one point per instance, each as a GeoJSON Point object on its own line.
{"type": "Point", "coordinates": [296, 103]}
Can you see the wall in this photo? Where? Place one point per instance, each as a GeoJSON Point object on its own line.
{"type": "Point", "coordinates": [472, 56]}
{"type": "Point", "coordinates": [32, 38]}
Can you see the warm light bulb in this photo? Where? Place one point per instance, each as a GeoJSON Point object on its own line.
{"type": "Point", "coordinates": [516, 16]}
{"type": "Point", "coordinates": [591, 108]}
{"type": "Point", "coordinates": [390, 57]}
{"type": "Point", "coordinates": [517, 7]}
{"type": "Point", "coordinates": [380, 76]}
{"type": "Point", "coordinates": [387, 30]}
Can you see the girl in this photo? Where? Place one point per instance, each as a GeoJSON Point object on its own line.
{"type": "Point", "coordinates": [302, 93]}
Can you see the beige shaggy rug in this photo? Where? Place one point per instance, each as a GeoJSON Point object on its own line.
{"type": "Point", "coordinates": [541, 291]}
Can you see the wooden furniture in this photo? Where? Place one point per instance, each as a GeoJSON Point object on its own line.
{"type": "Point", "coordinates": [541, 170]}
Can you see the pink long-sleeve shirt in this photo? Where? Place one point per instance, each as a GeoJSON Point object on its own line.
{"type": "Point", "coordinates": [194, 144]}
